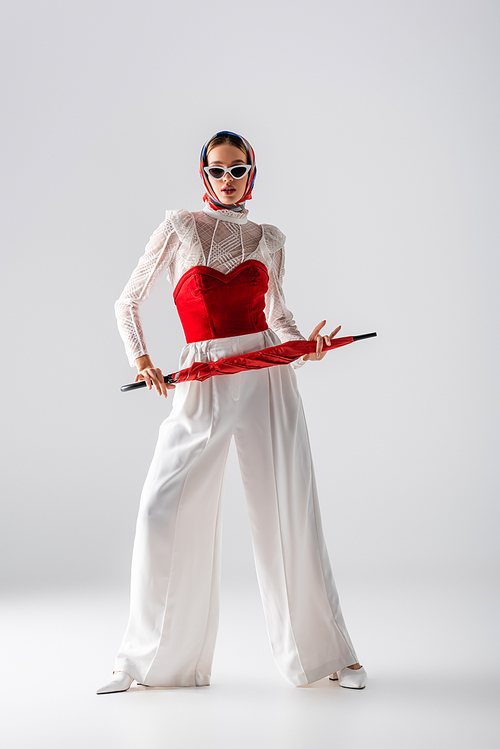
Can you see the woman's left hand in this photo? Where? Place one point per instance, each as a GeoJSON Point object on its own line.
{"type": "Point", "coordinates": [320, 342]}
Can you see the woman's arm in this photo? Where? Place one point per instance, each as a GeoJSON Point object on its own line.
{"type": "Point", "coordinates": [156, 258]}
{"type": "Point", "coordinates": [279, 318]}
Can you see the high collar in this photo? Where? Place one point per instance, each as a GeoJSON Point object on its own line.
{"type": "Point", "coordinates": [226, 214]}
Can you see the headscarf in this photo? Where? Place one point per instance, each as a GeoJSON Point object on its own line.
{"type": "Point", "coordinates": [210, 197]}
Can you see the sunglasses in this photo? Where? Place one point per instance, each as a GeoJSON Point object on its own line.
{"type": "Point", "coordinates": [237, 172]}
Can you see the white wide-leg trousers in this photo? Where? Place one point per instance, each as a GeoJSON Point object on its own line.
{"type": "Point", "coordinates": [176, 561]}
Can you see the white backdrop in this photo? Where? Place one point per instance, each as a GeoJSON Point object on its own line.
{"type": "Point", "coordinates": [375, 127]}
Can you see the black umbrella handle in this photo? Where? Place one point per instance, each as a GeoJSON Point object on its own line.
{"type": "Point", "coordinates": [142, 383]}
{"type": "Point", "coordinates": [363, 335]}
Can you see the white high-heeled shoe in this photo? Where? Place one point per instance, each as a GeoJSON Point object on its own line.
{"type": "Point", "coordinates": [120, 683]}
{"type": "Point", "coordinates": [352, 678]}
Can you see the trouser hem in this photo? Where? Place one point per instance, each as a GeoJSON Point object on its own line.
{"type": "Point", "coordinates": [315, 674]}
{"type": "Point", "coordinates": [176, 680]}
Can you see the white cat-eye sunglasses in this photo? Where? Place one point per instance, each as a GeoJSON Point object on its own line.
{"type": "Point", "coordinates": [218, 172]}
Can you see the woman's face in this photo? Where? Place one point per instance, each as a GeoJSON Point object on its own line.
{"type": "Point", "coordinates": [227, 189]}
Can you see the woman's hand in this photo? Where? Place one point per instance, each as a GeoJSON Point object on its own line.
{"type": "Point", "coordinates": [320, 341]}
{"type": "Point", "coordinates": [151, 375]}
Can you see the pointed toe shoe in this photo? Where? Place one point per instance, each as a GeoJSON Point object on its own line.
{"type": "Point", "coordinates": [120, 682]}
{"type": "Point", "coordinates": [351, 678]}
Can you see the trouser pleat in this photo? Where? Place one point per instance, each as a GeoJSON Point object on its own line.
{"type": "Point", "coordinates": [307, 631]}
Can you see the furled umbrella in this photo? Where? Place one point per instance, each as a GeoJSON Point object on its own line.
{"type": "Point", "coordinates": [284, 353]}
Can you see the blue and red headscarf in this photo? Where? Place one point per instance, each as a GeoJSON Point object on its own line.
{"type": "Point", "coordinates": [210, 197]}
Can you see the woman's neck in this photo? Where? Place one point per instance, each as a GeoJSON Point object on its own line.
{"type": "Point", "coordinates": [226, 214]}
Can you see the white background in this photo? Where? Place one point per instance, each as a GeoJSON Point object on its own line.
{"type": "Point", "coordinates": [375, 127]}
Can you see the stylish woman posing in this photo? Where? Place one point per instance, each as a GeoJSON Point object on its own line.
{"type": "Point", "coordinates": [227, 275]}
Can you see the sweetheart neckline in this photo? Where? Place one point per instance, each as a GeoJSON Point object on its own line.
{"type": "Point", "coordinates": [224, 277]}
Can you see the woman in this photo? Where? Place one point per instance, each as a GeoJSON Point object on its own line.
{"type": "Point", "coordinates": [227, 276]}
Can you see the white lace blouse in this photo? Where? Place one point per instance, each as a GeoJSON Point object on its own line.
{"type": "Point", "coordinates": [220, 239]}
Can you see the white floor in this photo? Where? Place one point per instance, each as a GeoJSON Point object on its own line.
{"type": "Point", "coordinates": [430, 650]}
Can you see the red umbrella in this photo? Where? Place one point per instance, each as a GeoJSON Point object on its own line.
{"type": "Point", "coordinates": [284, 353]}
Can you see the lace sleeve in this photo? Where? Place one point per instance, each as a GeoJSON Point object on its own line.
{"type": "Point", "coordinates": [279, 318]}
{"type": "Point", "coordinates": [157, 257]}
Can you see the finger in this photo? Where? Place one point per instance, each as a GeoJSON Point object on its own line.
{"type": "Point", "coordinates": [328, 341]}
{"type": "Point", "coordinates": [162, 383]}
{"type": "Point", "coordinates": [316, 330]}
{"type": "Point", "coordinates": [143, 376]}
{"type": "Point", "coordinates": [319, 346]}
{"type": "Point", "coordinates": [146, 374]}
{"type": "Point", "coordinates": [334, 332]}
{"type": "Point", "coordinates": [167, 386]}
{"type": "Point", "coordinates": [156, 382]}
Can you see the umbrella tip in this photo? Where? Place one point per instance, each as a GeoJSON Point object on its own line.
{"type": "Point", "coordinates": [364, 335]}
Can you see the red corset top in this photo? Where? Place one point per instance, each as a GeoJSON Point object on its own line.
{"type": "Point", "coordinates": [212, 304]}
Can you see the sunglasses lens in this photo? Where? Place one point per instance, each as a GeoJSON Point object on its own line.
{"type": "Point", "coordinates": [216, 172]}
{"type": "Point", "coordinates": [238, 171]}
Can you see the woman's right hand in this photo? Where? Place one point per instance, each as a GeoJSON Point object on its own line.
{"type": "Point", "coordinates": [151, 375]}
